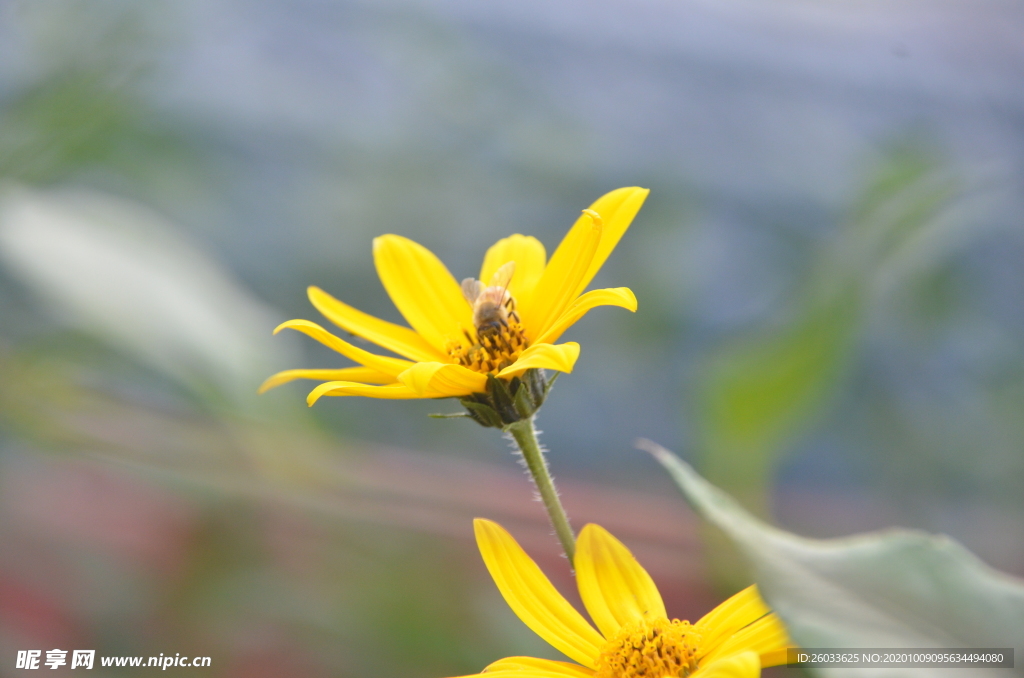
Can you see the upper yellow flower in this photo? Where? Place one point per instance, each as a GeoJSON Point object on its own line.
{"type": "Point", "coordinates": [502, 326]}
{"type": "Point", "coordinates": [634, 636]}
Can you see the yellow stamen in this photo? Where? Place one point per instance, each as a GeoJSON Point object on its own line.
{"type": "Point", "coordinates": [493, 349]}
{"type": "Point", "coordinates": [650, 648]}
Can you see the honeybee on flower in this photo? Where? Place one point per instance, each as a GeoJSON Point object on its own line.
{"type": "Point", "coordinates": [468, 340]}
{"type": "Point", "coordinates": [493, 306]}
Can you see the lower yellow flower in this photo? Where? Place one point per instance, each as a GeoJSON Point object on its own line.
{"type": "Point", "coordinates": [461, 337]}
{"type": "Point", "coordinates": [634, 637]}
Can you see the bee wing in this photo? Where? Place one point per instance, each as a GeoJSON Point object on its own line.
{"type": "Point", "coordinates": [471, 289]}
{"type": "Point", "coordinates": [503, 276]}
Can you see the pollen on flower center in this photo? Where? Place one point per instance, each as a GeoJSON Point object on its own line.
{"type": "Point", "coordinates": [495, 347]}
{"type": "Point", "coordinates": [650, 648]}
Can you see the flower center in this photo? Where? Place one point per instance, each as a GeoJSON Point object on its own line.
{"type": "Point", "coordinates": [495, 346]}
{"type": "Point", "coordinates": [650, 648]}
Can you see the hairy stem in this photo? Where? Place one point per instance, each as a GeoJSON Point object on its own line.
{"type": "Point", "coordinates": [525, 436]}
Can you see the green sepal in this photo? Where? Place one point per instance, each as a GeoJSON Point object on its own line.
{"type": "Point", "coordinates": [546, 389]}
{"type": "Point", "coordinates": [524, 402]}
{"type": "Point", "coordinates": [535, 382]}
{"type": "Point", "coordinates": [501, 397]}
{"type": "Point", "coordinates": [481, 413]}
{"type": "Point", "coordinates": [506, 402]}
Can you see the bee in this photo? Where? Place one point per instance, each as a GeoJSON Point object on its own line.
{"type": "Point", "coordinates": [492, 305]}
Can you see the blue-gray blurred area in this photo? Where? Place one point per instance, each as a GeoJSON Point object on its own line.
{"type": "Point", "coordinates": [830, 274]}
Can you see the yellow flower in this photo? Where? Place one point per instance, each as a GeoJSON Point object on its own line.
{"type": "Point", "coordinates": [460, 334]}
{"type": "Point", "coordinates": [634, 636]}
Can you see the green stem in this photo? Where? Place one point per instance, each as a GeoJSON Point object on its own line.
{"type": "Point", "coordinates": [525, 436]}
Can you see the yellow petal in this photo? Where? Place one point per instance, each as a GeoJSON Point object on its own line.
{"type": "Point", "coordinates": [349, 388]}
{"type": "Point", "coordinates": [740, 610]}
{"type": "Point", "coordinates": [614, 587]}
{"type": "Point", "coordinates": [401, 340]}
{"type": "Point", "coordinates": [742, 665]}
{"type": "Point", "coordinates": [422, 289]}
{"type": "Point", "coordinates": [617, 209]}
{"type": "Point", "coordinates": [775, 657]}
{"type": "Point", "coordinates": [445, 378]}
{"type": "Point", "coordinates": [546, 666]}
{"type": "Point", "coordinates": [557, 287]}
{"type": "Point", "coordinates": [766, 637]}
{"type": "Point", "coordinates": [532, 596]}
{"type": "Point", "coordinates": [381, 363]}
{"type": "Point", "coordinates": [616, 296]}
{"type": "Point", "coordinates": [528, 672]}
{"type": "Point", "coordinates": [529, 255]}
{"type": "Point", "coordinates": [360, 374]}
{"type": "Point", "coordinates": [561, 357]}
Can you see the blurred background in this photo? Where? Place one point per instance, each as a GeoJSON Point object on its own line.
{"type": "Point", "coordinates": [830, 270]}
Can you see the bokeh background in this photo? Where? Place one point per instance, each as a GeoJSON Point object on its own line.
{"type": "Point", "coordinates": [830, 270]}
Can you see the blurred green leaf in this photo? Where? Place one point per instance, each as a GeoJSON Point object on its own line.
{"type": "Point", "coordinates": [63, 124]}
{"type": "Point", "coordinates": [904, 198]}
{"type": "Point", "coordinates": [761, 391]}
{"type": "Point", "coordinates": [123, 274]}
{"type": "Point", "coordinates": [897, 588]}
{"type": "Point", "coordinates": [85, 109]}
